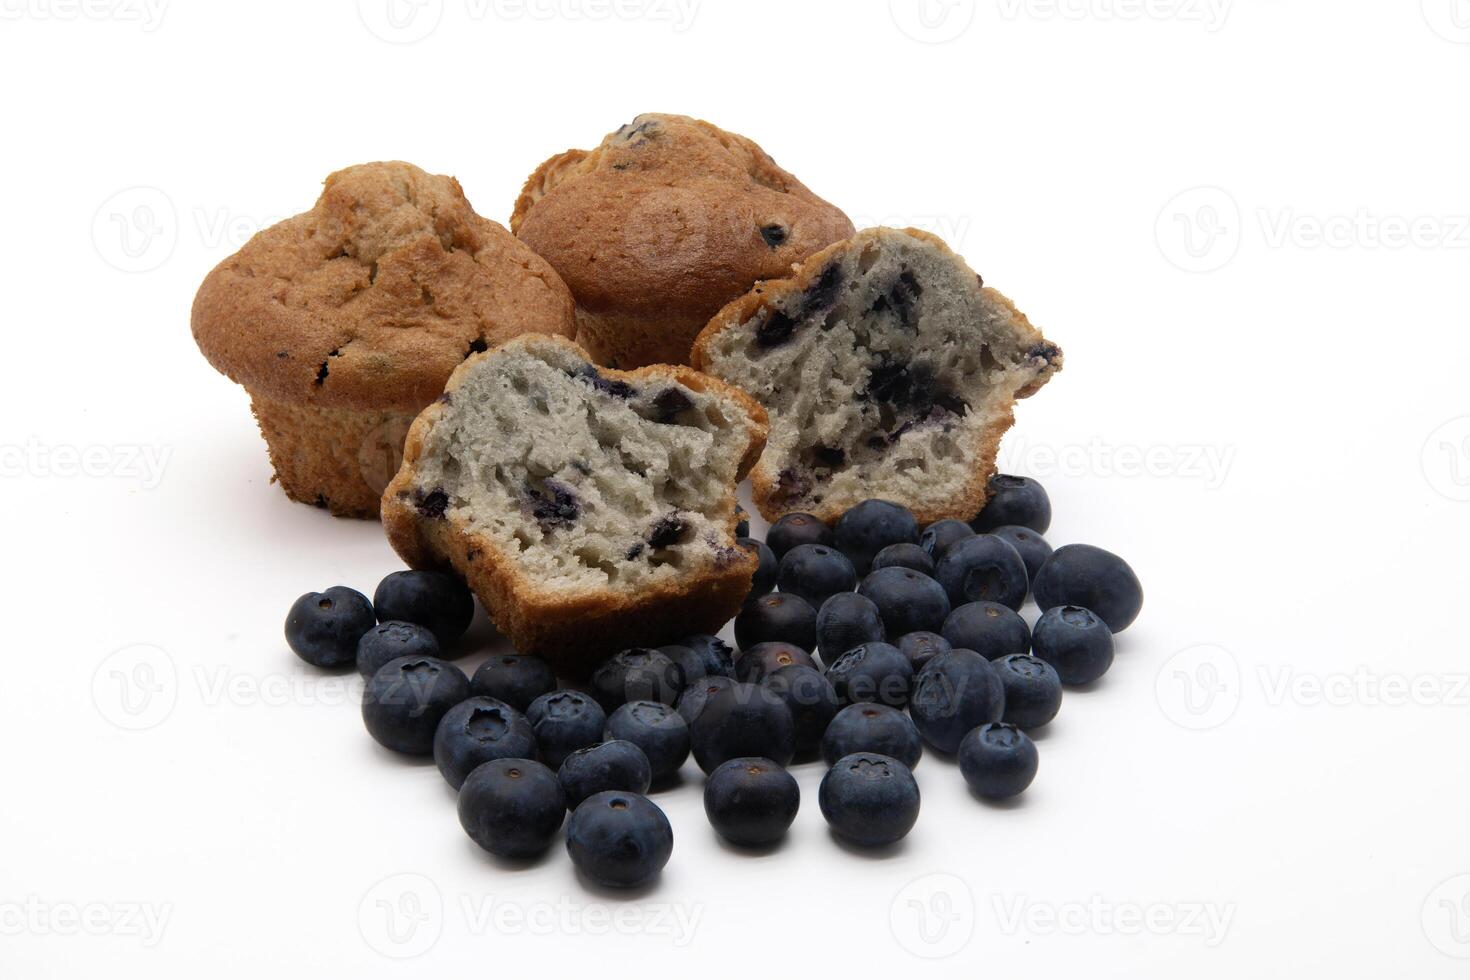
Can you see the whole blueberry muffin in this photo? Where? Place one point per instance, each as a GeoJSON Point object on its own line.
{"type": "Point", "coordinates": [662, 225]}
{"type": "Point", "coordinates": [343, 322]}
{"type": "Point", "coordinates": [590, 510]}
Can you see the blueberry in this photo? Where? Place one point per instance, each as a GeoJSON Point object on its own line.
{"type": "Point", "coordinates": [983, 567]}
{"type": "Point", "coordinates": [1075, 641]}
{"type": "Point", "coordinates": [691, 665]}
{"type": "Point", "coordinates": [1014, 500]}
{"type": "Point", "coordinates": [614, 765]}
{"type": "Point", "coordinates": [404, 701]}
{"type": "Point", "coordinates": [869, 527]}
{"type": "Point", "coordinates": [619, 840]}
{"type": "Point", "coordinates": [952, 694]}
{"type": "Point", "coordinates": [516, 680]}
{"type": "Point", "coordinates": [1030, 545]}
{"type": "Point", "coordinates": [657, 729]}
{"type": "Point", "coordinates": [872, 728]}
{"type": "Point", "coordinates": [437, 600]}
{"type": "Point", "coordinates": [872, 672]}
{"type": "Point", "coordinates": [812, 701]}
{"type": "Point", "coordinates": [712, 654]}
{"type": "Point", "coordinates": [324, 628]}
{"type": "Point", "coordinates": [998, 761]}
{"type": "Point", "coordinates": [391, 640]}
{"type": "Point", "coordinates": [774, 235]}
{"type": "Point", "coordinates": [921, 646]}
{"type": "Point", "coordinates": [1081, 575]}
{"type": "Point", "coordinates": [907, 600]}
{"type": "Point", "coordinates": [937, 537]}
{"type": "Point", "coordinates": [847, 620]}
{"type": "Point", "coordinates": [1033, 690]}
{"type": "Point", "coordinates": [988, 628]}
{"type": "Point", "coordinates": [815, 572]}
{"type": "Point", "coordinates": [691, 701]}
{"type": "Point", "coordinates": [764, 579]}
{"type": "Point", "coordinates": [742, 522]}
{"type": "Point", "coordinates": [751, 802]}
{"type": "Point", "coordinates": [869, 799]}
{"type": "Point", "coordinates": [904, 555]}
{"type": "Point", "coordinates": [755, 663]}
{"type": "Point", "coordinates": [551, 503]}
{"type": "Point", "coordinates": [477, 730]}
{"type": "Point", "coordinates": [741, 720]}
{"type": "Point", "coordinates": [512, 807]}
{"type": "Point", "coordinates": [791, 530]}
{"type": "Point", "coordinates": [639, 674]}
{"type": "Point", "coordinates": [565, 721]}
{"type": "Point", "coordinates": [781, 617]}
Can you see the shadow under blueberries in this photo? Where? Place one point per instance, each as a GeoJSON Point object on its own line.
{"type": "Point", "coordinates": [884, 852]}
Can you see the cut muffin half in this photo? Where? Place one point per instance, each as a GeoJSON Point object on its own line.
{"type": "Point", "coordinates": [889, 370]}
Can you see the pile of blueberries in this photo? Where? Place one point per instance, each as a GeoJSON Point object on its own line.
{"type": "Point", "coordinates": [921, 639]}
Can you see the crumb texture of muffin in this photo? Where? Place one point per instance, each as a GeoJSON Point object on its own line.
{"type": "Point", "coordinates": [590, 510]}
{"type": "Point", "coordinates": [665, 222]}
{"type": "Point", "coordinates": [343, 322]}
{"type": "Point", "coordinates": [889, 370]}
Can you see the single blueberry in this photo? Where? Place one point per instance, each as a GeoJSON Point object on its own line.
{"type": "Point", "coordinates": [1075, 641]}
{"type": "Point", "coordinates": [791, 530]}
{"type": "Point", "coordinates": [477, 730]}
{"type": "Point", "coordinates": [691, 702]}
{"type": "Point", "coordinates": [764, 579]}
{"type": "Point", "coordinates": [711, 653]}
{"type": "Point", "coordinates": [391, 640]}
{"type": "Point", "coordinates": [872, 672]}
{"type": "Point", "coordinates": [1081, 575]}
{"type": "Point", "coordinates": [816, 573]}
{"type": "Point", "coordinates": [565, 721]}
{"type": "Point", "coordinates": [812, 701]}
{"type": "Point", "coordinates": [869, 799]}
{"type": "Point", "coordinates": [437, 600]}
{"type": "Point", "coordinates": [512, 807]}
{"type": "Point", "coordinates": [988, 628]}
{"type": "Point", "coordinates": [755, 663]}
{"type": "Point", "coordinates": [690, 662]}
{"type": "Point", "coordinates": [780, 617]}
{"type": "Point", "coordinates": [614, 765]}
{"type": "Point", "coordinates": [1014, 500]}
{"type": "Point", "coordinates": [657, 729]}
{"type": "Point", "coordinates": [639, 674]}
{"type": "Point", "coordinates": [404, 701]}
{"type": "Point", "coordinates": [751, 802]}
{"type": "Point", "coordinates": [741, 720]}
{"type": "Point", "coordinates": [904, 555]}
{"type": "Point", "coordinates": [998, 761]}
{"type": "Point", "coordinates": [1029, 544]}
{"type": "Point", "coordinates": [955, 692]}
{"type": "Point", "coordinates": [847, 620]}
{"type": "Point", "coordinates": [872, 728]}
{"type": "Point", "coordinates": [742, 522]}
{"type": "Point", "coordinates": [983, 567]}
{"type": "Point", "coordinates": [937, 537]}
{"type": "Point", "coordinates": [619, 840]}
{"type": "Point", "coordinates": [1033, 690]}
{"type": "Point", "coordinates": [907, 600]}
{"type": "Point", "coordinates": [514, 679]}
{"type": "Point", "coordinates": [921, 646]}
{"type": "Point", "coordinates": [324, 628]}
{"type": "Point", "coordinates": [869, 527]}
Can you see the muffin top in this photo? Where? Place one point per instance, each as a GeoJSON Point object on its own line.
{"type": "Point", "coordinates": [374, 296]}
{"type": "Point", "coordinates": [670, 217]}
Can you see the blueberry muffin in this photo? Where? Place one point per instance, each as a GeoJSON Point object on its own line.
{"type": "Point", "coordinates": [889, 370]}
{"type": "Point", "coordinates": [662, 225]}
{"type": "Point", "coordinates": [590, 510]}
{"type": "Point", "coordinates": [344, 322]}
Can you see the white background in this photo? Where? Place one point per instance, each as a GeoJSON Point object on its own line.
{"type": "Point", "coordinates": [1245, 222]}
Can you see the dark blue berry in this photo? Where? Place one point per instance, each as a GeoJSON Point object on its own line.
{"type": "Point", "coordinates": [1014, 500]}
{"type": "Point", "coordinates": [553, 504]}
{"type": "Point", "coordinates": [779, 617]}
{"type": "Point", "coordinates": [391, 640]}
{"type": "Point", "coordinates": [823, 293]}
{"type": "Point", "coordinates": [668, 405]}
{"type": "Point", "coordinates": [998, 761]}
{"type": "Point", "coordinates": [1030, 545]}
{"type": "Point", "coordinates": [952, 694]}
{"type": "Point", "coordinates": [691, 664]}
{"type": "Point", "coordinates": [514, 679]}
{"type": "Point", "coordinates": [1081, 575]}
{"type": "Point", "coordinates": [1033, 690]}
{"type": "Point", "coordinates": [869, 799]}
{"type": "Point", "coordinates": [847, 620]}
{"type": "Point", "coordinates": [667, 531]}
{"type": "Point", "coordinates": [404, 701]}
{"type": "Point", "coordinates": [565, 721]}
{"type": "Point", "coordinates": [608, 386]}
{"type": "Point", "coordinates": [937, 537]}
{"type": "Point", "coordinates": [512, 807]}
{"type": "Point", "coordinates": [774, 329]}
{"type": "Point", "coordinates": [904, 555]}
{"type": "Point", "coordinates": [812, 701]}
{"type": "Point", "coordinates": [764, 579]}
{"type": "Point", "coordinates": [872, 728]}
{"type": "Point", "coordinates": [614, 765]}
{"type": "Point", "coordinates": [751, 802]}
{"type": "Point", "coordinates": [477, 730]}
{"type": "Point", "coordinates": [791, 530]}
{"type": "Point", "coordinates": [988, 628]}
{"type": "Point", "coordinates": [639, 674]}
{"type": "Point", "coordinates": [774, 235]}
{"type": "Point", "coordinates": [869, 527]}
{"type": "Point", "coordinates": [921, 646]}
{"type": "Point", "coordinates": [691, 702]}
{"type": "Point", "coordinates": [1075, 641]}
{"type": "Point", "coordinates": [324, 628]}
{"type": "Point", "coordinates": [657, 729]}
{"type": "Point", "coordinates": [437, 600]}
{"type": "Point", "coordinates": [712, 656]}
{"type": "Point", "coordinates": [755, 663]}
{"type": "Point", "coordinates": [983, 568]}
{"type": "Point", "coordinates": [815, 572]}
{"type": "Point", "coordinates": [907, 600]}
{"type": "Point", "coordinates": [741, 720]}
{"type": "Point", "coordinates": [619, 840]}
{"type": "Point", "coordinates": [872, 672]}
{"type": "Point", "coordinates": [742, 522]}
